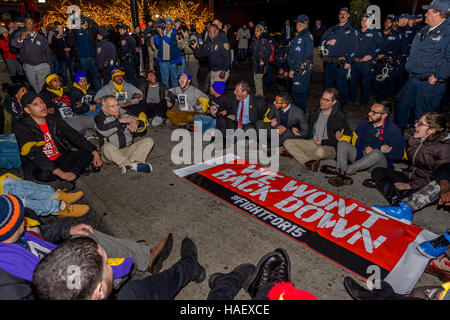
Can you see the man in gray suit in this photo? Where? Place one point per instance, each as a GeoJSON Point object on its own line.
{"type": "Point", "coordinates": [288, 119]}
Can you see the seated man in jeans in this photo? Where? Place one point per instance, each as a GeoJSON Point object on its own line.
{"type": "Point", "coordinates": [96, 274]}
{"type": "Point", "coordinates": [116, 129]}
{"type": "Point", "coordinates": [376, 142]}
{"type": "Point", "coordinates": [327, 125]}
{"type": "Point", "coordinates": [42, 142]}
{"type": "Point", "coordinates": [24, 242]}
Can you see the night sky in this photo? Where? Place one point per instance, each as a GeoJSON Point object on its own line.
{"type": "Point", "coordinates": [276, 12]}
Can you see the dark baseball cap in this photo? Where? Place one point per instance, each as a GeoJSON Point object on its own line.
{"type": "Point", "coordinates": [123, 26]}
{"type": "Point", "coordinates": [391, 17]}
{"type": "Point", "coordinates": [441, 5]}
{"type": "Point", "coordinates": [28, 98]}
{"type": "Point", "coordinates": [344, 9]}
{"type": "Point", "coordinates": [302, 19]}
{"type": "Point", "coordinates": [405, 16]}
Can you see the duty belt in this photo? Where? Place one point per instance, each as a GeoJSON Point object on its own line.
{"type": "Point", "coordinates": [127, 56]}
{"type": "Point", "coordinates": [327, 59]}
{"type": "Point", "coordinates": [304, 65]}
{"type": "Point", "coordinates": [387, 59]}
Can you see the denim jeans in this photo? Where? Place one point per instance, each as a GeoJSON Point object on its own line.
{"type": "Point", "coordinates": [37, 197]}
{"type": "Point", "coordinates": [63, 66]}
{"type": "Point", "coordinates": [167, 68]}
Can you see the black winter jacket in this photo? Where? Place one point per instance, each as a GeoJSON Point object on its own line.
{"type": "Point", "coordinates": [28, 133]}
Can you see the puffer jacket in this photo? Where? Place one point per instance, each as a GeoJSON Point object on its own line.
{"type": "Point", "coordinates": [424, 157]}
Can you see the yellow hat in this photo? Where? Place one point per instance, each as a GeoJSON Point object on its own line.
{"type": "Point", "coordinates": [50, 77]}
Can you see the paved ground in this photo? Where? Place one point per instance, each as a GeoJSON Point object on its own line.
{"type": "Point", "coordinates": [139, 206]}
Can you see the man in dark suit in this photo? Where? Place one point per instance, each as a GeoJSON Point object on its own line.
{"type": "Point", "coordinates": [245, 112]}
{"type": "Point", "coordinates": [287, 33]}
{"type": "Point", "coordinates": [288, 119]}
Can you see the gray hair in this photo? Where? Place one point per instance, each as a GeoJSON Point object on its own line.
{"type": "Point", "coordinates": [105, 98]}
{"type": "Point", "coordinates": [245, 86]}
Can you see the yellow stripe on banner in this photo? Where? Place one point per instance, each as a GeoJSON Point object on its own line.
{"type": "Point", "coordinates": [115, 261]}
{"type": "Point", "coordinates": [265, 116]}
{"type": "Point", "coordinates": [142, 117]}
{"type": "Point", "coordinates": [26, 148]}
{"type": "Point", "coordinates": [405, 155]}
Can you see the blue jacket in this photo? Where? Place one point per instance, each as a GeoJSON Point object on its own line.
{"type": "Point", "coordinates": [175, 53]}
{"type": "Point", "coordinates": [432, 54]}
{"type": "Point", "coordinates": [369, 43]}
{"type": "Point", "coordinates": [301, 48]}
{"type": "Point", "coordinates": [392, 43]}
{"type": "Point", "coordinates": [369, 136]}
{"type": "Point", "coordinates": [346, 41]}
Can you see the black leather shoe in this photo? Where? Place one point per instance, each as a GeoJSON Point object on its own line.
{"type": "Point", "coordinates": [273, 267]}
{"type": "Point", "coordinates": [358, 292]}
{"type": "Point", "coordinates": [189, 250]}
{"type": "Point", "coordinates": [91, 169]}
{"type": "Point", "coordinates": [369, 183]}
{"type": "Point", "coordinates": [241, 273]}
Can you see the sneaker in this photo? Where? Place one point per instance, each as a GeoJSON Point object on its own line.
{"type": "Point", "coordinates": [68, 197]}
{"type": "Point", "coordinates": [436, 247]}
{"type": "Point", "coordinates": [141, 167]}
{"type": "Point", "coordinates": [73, 210]}
{"type": "Point", "coordinates": [401, 213]}
{"type": "Point", "coordinates": [156, 121]}
{"type": "Point", "coordinates": [439, 268]}
{"type": "Point", "coordinates": [125, 169]}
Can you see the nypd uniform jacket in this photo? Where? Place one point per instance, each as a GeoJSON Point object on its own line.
{"type": "Point", "coordinates": [346, 41]}
{"type": "Point", "coordinates": [218, 53]}
{"type": "Point", "coordinates": [369, 43]}
{"type": "Point", "coordinates": [392, 43]}
{"type": "Point", "coordinates": [409, 33]}
{"type": "Point", "coordinates": [127, 46]}
{"type": "Point", "coordinates": [430, 52]}
{"type": "Point", "coordinates": [105, 52]}
{"type": "Point", "coordinates": [300, 49]}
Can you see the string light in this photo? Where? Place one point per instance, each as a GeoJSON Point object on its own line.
{"type": "Point", "coordinates": [116, 11]}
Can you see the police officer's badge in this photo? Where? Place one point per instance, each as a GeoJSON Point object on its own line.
{"type": "Point", "coordinates": [99, 50]}
{"type": "Point", "coordinates": [299, 40]}
{"type": "Point", "coordinates": [38, 43]}
{"type": "Point", "coordinates": [216, 47]}
{"type": "Point", "coordinates": [123, 42]}
{"type": "Point", "coordinates": [226, 46]}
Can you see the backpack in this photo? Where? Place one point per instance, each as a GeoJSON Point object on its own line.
{"type": "Point", "coordinates": [272, 46]}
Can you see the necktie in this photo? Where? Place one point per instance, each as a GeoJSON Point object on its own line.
{"type": "Point", "coordinates": [240, 116]}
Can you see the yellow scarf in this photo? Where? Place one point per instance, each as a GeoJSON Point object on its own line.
{"type": "Point", "coordinates": [119, 87]}
{"type": "Point", "coordinates": [59, 92]}
{"type": "Point", "coordinates": [80, 88]}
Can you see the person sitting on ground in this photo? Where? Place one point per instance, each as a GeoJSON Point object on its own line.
{"type": "Point", "coordinates": [12, 103]}
{"type": "Point", "coordinates": [116, 128]}
{"type": "Point", "coordinates": [288, 119]}
{"type": "Point", "coordinates": [218, 104]}
{"type": "Point", "coordinates": [154, 102]}
{"type": "Point", "coordinates": [437, 189]}
{"type": "Point", "coordinates": [376, 143]}
{"type": "Point", "coordinates": [58, 102]}
{"type": "Point", "coordinates": [42, 198]}
{"type": "Point", "coordinates": [245, 112]}
{"type": "Point", "coordinates": [327, 125]}
{"type": "Point", "coordinates": [82, 96]}
{"type": "Point", "coordinates": [24, 242]}
{"type": "Point", "coordinates": [428, 146]}
{"type": "Point", "coordinates": [45, 154]}
{"type": "Point", "coordinates": [187, 103]}
{"type": "Point", "coordinates": [269, 280]}
{"type": "Point", "coordinates": [50, 282]}
{"type": "Point", "coordinates": [126, 94]}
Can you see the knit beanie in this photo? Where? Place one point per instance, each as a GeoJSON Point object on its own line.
{"type": "Point", "coordinates": [11, 215]}
{"type": "Point", "coordinates": [78, 75]}
{"type": "Point", "coordinates": [219, 86]}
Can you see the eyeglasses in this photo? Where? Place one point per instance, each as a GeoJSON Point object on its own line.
{"type": "Point", "coordinates": [374, 112]}
{"type": "Point", "coordinates": [329, 100]}
{"type": "Point", "coordinates": [420, 124]}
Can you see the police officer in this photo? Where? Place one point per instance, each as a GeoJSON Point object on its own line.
{"type": "Point", "coordinates": [217, 49]}
{"type": "Point", "coordinates": [300, 55]}
{"type": "Point", "coordinates": [408, 34]}
{"type": "Point", "coordinates": [428, 66]}
{"type": "Point", "coordinates": [369, 44]}
{"type": "Point", "coordinates": [105, 56]}
{"type": "Point", "coordinates": [387, 72]}
{"type": "Point", "coordinates": [127, 53]}
{"type": "Point", "coordinates": [340, 41]}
